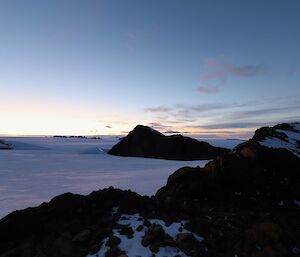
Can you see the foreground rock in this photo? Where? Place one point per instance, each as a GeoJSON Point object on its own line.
{"type": "Point", "coordinates": [254, 189]}
{"type": "Point", "coordinates": [69, 225]}
{"type": "Point", "coordinates": [245, 203]}
{"type": "Point", "coordinates": [143, 141]}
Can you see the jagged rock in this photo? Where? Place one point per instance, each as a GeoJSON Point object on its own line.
{"type": "Point", "coordinates": [140, 228]}
{"type": "Point", "coordinates": [146, 223]}
{"type": "Point", "coordinates": [126, 230]}
{"type": "Point", "coordinates": [154, 232]}
{"type": "Point", "coordinates": [155, 237]}
{"type": "Point", "coordinates": [114, 251]}
{"type": "Point", "coordinates": [187, 243]}
{"type": "Point", "coordinates": [143, 141]}
{"type": "Point", "coordinates": [113, 241]}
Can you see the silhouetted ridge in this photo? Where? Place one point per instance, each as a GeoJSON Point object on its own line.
{"type": "Point", "coordinates": [144, 141]}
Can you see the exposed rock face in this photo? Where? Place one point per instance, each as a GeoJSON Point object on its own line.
{"type": "Point", "coordinates": [282, 136]}
{"type": "Point", "coordinates": [143, 141]}
{"type": "Point", "coordinates": [259, 184]}
{"type": "Point", "coordinates": [155, 237]}
{"type": "Point", "coordinates": [251, 170]}
{"type": "Point", "coordinates": [4, 146]}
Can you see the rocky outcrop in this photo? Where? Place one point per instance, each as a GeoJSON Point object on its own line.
{"type": "Point", "coordinates": [251, 171]}
{"type": "Point", "coordinates": [69, 225]}
{"type": "Point", "coordinates": [144, 141]}
{"type": "Point", "coordinates": [258, 183]}
{"type": "Point", "coordinates": [4, 146]}
{"type": "Point", "coordinates": [285, 136]}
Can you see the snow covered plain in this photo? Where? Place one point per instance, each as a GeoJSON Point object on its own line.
{"type": "Point", "coordinates": [40, 168]}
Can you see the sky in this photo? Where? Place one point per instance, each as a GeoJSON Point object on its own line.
{"type": "Point", "coordinates": [212, 68]}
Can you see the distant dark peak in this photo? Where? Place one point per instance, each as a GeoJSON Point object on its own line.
{"type": "Point", "coordinates": [146, 129]}
{"type": "Point", "coordinates": [147, 142]}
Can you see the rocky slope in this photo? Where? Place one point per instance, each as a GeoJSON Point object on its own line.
{"type": "Point", "coordinates": [143, 141]}
{"type": "Point", "coordinates": [253, 168]}
{"type": "Point", "coordinates": [245, 203]}
{"type": "Point", "coordinates": [282, 136]}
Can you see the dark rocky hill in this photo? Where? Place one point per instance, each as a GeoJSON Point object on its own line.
{"type": "Point", "coordinates": [144, 141]}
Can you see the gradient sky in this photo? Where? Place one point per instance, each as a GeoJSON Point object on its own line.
{"type": "Point", "coordinates": [216, 68]}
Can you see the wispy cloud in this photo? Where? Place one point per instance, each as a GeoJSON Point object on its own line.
{"type": "Point", "coordinates": [231, 125]}
{"type": "Point", "coordinates": [234, 116]}
{"type": "Point", "coordinates": [217, 71]}
{"type": "Point", "coordinates": [208, 89]}
{"type": "Point", "coordinates": [187, 112]}
{"type": "Point", "coordinates": [263, 112]}
{"type": "Point", "coordinates": [159, 126]}
{"type": "Point", "coordinates": [160, 109]}
{"type": "Point", "coordinates": [221, 69]}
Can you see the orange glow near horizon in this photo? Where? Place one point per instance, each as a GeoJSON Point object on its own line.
{"type": "Point", "coordinates": [49, 120]}
{"type": "Point", "coordinates": [60, 125]}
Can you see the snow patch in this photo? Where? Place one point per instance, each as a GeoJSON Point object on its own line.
{"type": "Point", "coordinates": [292, 143]}
{"type": "Point", "coordinates": [134, 247]}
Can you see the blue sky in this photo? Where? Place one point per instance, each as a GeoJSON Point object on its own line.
{"type": "Point", "coordinates": [217, 68]}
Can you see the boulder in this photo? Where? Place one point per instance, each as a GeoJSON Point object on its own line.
{"type": "Point", "coordinates": [155, 237]}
